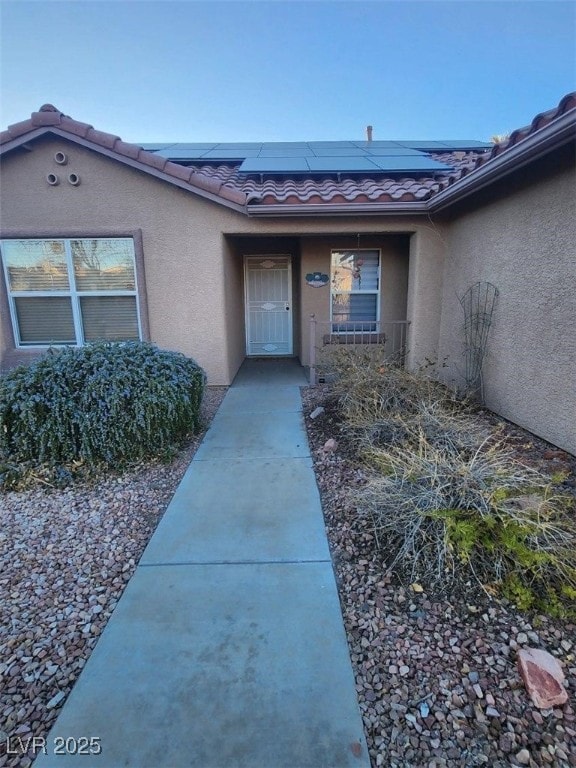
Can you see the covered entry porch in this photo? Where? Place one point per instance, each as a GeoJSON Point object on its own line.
{"type": "Point", "coordinates": [291, 296]}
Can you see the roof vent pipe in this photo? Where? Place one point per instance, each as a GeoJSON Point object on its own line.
{"type": "Point", "coordinates": [369, 133]}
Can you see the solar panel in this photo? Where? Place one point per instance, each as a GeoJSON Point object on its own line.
{"type": "Point", "coordinates": [461, 144]}
{"type": "Point", "coordinates": [256, 145]}
{"type": "Point", "coordinates": [409, 163]}
{"type": "Point", "coordinates": [340, 164]}
{"type": "Point", "coordinates": [337, 151]}
{"type": "Point", "coordinates": [393, 152]}
{"type": "Point", "coordinates": [154, 146]}
{"type": "Point", "coordinates": [351, 145]}
{"type": "Point", "coordinates": [182, 154]}
{"type": "Point", "coordinates": [285, 153]}
{"type": "Point", "coordinates": [194, 145]}
{"type": "Point", "coordinates": [318, 156]}
{"type": "Point", "coordinates": [444, 145]}
{"type": "Point", "coordinates": [229, 154]}
{"type": "Point", "coordinates": [285, 145]}
{"type": "Point", "coordinates": [437, 146]}
{"type": "Point", "coordinates": [376, 144]}
{"type": "Point", "coordinates": [275, 165]}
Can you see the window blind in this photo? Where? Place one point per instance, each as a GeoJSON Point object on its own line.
{"type": "Point", "coordinates": [109, 318]}
{"type": "Point", "coordinates": [45, 320]}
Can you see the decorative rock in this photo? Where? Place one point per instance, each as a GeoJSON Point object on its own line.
{"type": "Point", "coordinates": [55, 700]}
{"type": "Point", "coordinates": [543, 677]}
{"type": "Point", "coordinates": [523, 757]}
{"type": "Point", "coordinates": [330, 445]}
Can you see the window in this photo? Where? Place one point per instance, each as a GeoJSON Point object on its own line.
{"type": "Point", "coordinates": [355, 290]}
{"type": "Point", "coordinates": [71, 291]}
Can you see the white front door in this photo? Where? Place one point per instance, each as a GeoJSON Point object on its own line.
{"type": "Point", "coordinates": [268, 281]}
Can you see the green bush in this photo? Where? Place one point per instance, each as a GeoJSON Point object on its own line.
{"type": "Point", "coordinates": [109, 404]}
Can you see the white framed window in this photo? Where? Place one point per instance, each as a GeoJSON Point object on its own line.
{"type": "Point", "coordinates": [355, 298]}
{"type": "Point", "coordinates": [70, 291]}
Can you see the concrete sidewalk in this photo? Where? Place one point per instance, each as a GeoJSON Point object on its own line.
{"type": "Point", "coordinates": [227, 648]}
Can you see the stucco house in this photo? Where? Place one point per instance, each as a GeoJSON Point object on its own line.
{"type": "Point", "coordinates": [223, 251]}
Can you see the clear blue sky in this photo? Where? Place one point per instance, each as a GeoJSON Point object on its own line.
{"type": "Point", "coordinates": [272, 71]}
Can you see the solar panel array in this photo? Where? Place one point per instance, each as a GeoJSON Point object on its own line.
{"type": "Point", "coordinates": [319, 157]}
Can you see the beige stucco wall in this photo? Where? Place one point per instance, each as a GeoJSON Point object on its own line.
{"type": "Point", "coordinates": [427, 247]}
{"type": "Point", "coordinates": [525, 244]}
{"type": "Point", "coordinates": [182, 243]}
{"type": "Point", "coordinates": [316, 257]}
{"type": "Point", "coordinates": [192, 249]}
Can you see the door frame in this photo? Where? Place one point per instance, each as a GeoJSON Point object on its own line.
{"type": "Point", "coordinates": [262, 257]}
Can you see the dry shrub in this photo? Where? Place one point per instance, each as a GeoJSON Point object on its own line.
{"type": "Point", "coordinates": [447, 501]}
{"type": "Point", "coordinates": [370, 387]}
{"type": "Point", "coordinates": [442, 513]}
{"type": "Point", "coordinates": [440, 426]}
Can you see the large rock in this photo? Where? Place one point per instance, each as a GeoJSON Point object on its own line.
{"type": "Point", "coordinates": [543, 677]}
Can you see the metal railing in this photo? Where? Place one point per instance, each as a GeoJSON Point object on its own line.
{"type": "Point", "coordinates": [387, 340]}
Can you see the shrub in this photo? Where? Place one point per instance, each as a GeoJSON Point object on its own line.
{"type": "Point", "coordinates": [443, 511]}
{"type": "Point", "coordinates": [447, 501]}
{"type": "Point", "coordinates": [370, 389]}
{"type": "Point", "coordinates": [109, 404]}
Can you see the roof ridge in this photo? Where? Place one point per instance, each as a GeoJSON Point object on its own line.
{"type": "Point", "coordinates": [49, 116]}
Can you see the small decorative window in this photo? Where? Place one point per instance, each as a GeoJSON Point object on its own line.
{"type": "Point", "coordinates": [355, 291]}
{"type": "Point", "coordinates": [71, 291]}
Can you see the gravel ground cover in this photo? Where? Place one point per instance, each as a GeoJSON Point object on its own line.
{"type": "Point", "coordinates": [436, 676]}
{"type": "Point", "coordinates": [65, 558]}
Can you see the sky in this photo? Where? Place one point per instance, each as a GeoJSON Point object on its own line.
{"type": "Point", "coordinates": [276, 70]}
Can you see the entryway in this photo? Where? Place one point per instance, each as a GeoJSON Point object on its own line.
{"type": "Point", "coordinates": [269, 371]}
{"type": "Point", "coordinates": [268, 305]}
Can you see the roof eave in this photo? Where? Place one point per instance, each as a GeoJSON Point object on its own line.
{"type": "Point", "coordinates": [337, 209]}
{"type": "Point", "coordinates": [552, 136]}
{"type": "Point", "coordinates": [157, 173]}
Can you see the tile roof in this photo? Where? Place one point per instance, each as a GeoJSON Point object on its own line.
{"type": "Point", "coordinates": [50, 118]}
{"type": "Point", "coordinates": [540, 121]}
{"type": "Point", "coordinates": [566, 105]}
{"type": "Point", "coordinates": [221, 181]}
{"type": "Point", "coordinates": [346, 189]}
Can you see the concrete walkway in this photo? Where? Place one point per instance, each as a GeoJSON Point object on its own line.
{"type": "Point", "coordinates": [227, 648]}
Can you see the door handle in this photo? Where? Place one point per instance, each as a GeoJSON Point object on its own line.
{"type": "Point", "coordinates": [287, 308]}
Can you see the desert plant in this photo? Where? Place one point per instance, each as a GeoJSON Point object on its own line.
{"type": "Point", "coordinates": [441, 511]}
{"type": "Point", "coordinates": [369, 387]}
{"type": "Point", "coordinates": [104, 403]}
{"type": "Point", "coordinates": [441, 426]}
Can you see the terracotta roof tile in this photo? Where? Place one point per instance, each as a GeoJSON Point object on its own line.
{"type": "Point", "coordinates": [107, 140]}
{"type": "Point", "coordinates": [128, 150]}
{"type": "Point", "coordinates": [223, 180]}
{"type": "Point", "coordinates": [75, 127]}
{"type": "Point", "coordinates": [49, 116]}
{"type": "Point", "coordinates": [206, 182]}
{"type": "Point", "coordinates": [155, 161]}
{"type": "Point", "coordinates": [46, 118]}
{"type": "Point", "coordinates": [19, 129]}
{"type": "Point", "coordinates": [178, 171]}
{"type": "Point", "coordinates": [540, 121]}
{"type": "Point", "coordinates": [315, 191]}
{"type": "Point", "coordinates": [234, 195]}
